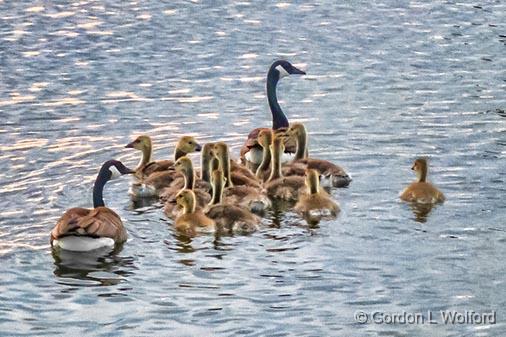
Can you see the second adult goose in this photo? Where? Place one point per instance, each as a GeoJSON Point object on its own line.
{"type": "Point", "coordinates": [83, 229]}
{"type": "Point", "coordinates": [251, 151]}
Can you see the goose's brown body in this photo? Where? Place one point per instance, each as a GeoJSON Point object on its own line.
{"type": "Point", "coordinates": [95, 222]}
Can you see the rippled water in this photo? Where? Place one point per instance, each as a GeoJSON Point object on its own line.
{"type": "Point", "coordinates": [386, 82]}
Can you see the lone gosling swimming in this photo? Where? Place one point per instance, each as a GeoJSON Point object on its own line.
{"type": "Point", "coordinates": [422, 191]}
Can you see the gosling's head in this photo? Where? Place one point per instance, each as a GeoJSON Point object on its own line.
{"type": "Point", "coordinates": [186, 200]}
{"type": "Point", "coordinates": [188, 144]}
{"type": "Point", "coordinates": [140, 143]}
{"type": "Point", "coordinates": [420, 167]}
{"type": "Point", "coordinates": [264, 138]}
{"type": "Point", "coordinates": [312, 180]}
{"type": "Point", "coordinates": [207, 151]}
{"type": "Point", "coordinates": [183, 164]}
{"type": "Point", "coordinates": [221, 149]}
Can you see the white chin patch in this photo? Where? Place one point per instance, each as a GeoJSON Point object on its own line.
{"type": "Point", "coordinates": [114, 172]}
{"type": "Point", "coordinates": [282, 71]}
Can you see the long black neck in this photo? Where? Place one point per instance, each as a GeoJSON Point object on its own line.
{"type": "Point", "coordinates": [279, 119]}
{"type": "Point", "coordinates": [98, 188]}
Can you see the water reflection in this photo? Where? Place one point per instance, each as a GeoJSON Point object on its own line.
{"type": "Point", "coordinates": [99, 267]}
{"type": "Point", "coordinates": [421, 211]}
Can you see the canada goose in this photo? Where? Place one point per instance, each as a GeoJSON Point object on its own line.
{"type": "Point", "coordinates": [233, 177]}
{"type": "Point", "coordinates": [161, 174]}
{"type": "Point", "coordinates": [277, 186]}
{"type": "Point", "coordinates": [421, 191]}
{"type": "Point", "coordinates": [83, 229]}
{"type": "Point", "coordinates": [315, 201]}
{"type": "Point", "coordinates": [184, 166]}
{"type": "Point", "coordinates": [185, 145]}
{"type": "Point", "coordinates": [229, 217]}
{"type": "Point", "coordinates": [191, 221]}
{"type": "Point", "coordinates": [334, 174]}
{"type": "Point", "coordinates": [251, 151]}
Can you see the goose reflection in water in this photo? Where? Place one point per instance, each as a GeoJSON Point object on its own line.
{"type": "Point", "coordinates": [102, 267]}
{"type": "Point", "coordinates": [421, 211]}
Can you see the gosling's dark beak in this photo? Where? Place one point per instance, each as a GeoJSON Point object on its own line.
{"type": "Point", "coordinates": [130, 145]}
{"type": "Point", "coordinates": [296, 71]}
{"type": "Point", "coordinates": [412, 168]}
{"type": "Point", "coordinates": [198, 147]}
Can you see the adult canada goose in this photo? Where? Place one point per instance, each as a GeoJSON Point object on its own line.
{"type": "Point", "coordinates": [185, 145]}
{"type": "Point", "coordinates": [83, 229]}
{"type": "Point", "coordinates": [233, 177]}
{"type": "Point", "coordinates": [251, 151]}
{"type": "Point", "coordinates": [422, 191]}
{"type": "Point", "coordinates": [191, 221]}
{"type": "Point", "coordinates": [161, 175]}
{"type": "Point", "coordinates": [315, 201]}
{"type": "Point", "coordinates": [229, 217]}
{"type": "Point", "coordinates": [278, 186]}
{"type": "Point", "coordinates": [184, 166]}
{"type": "Point", "coordinates": [332, 173]}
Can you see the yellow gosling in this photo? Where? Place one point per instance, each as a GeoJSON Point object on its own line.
{"type": "Point", "coordinates": [421, 191]}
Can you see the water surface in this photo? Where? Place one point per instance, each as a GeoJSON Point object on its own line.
{"type": "Point", "coordinates": [386, 82]}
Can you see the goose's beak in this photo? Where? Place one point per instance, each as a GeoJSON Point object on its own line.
{"type": "Point", "coordinates": [130, 145]}
{"type": "Point", "coordinates": [126, 170]}
{"type": "Point", "coordinates": [297, 71]}
{"type": "Point", "coordinates": [198, 147]}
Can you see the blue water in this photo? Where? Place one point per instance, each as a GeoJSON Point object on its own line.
{"type": "Point", "coordinates": [386, 82]}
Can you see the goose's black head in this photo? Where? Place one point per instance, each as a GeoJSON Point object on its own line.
{"type": "Point", "coordinates": [284, 68]}
{"type": "Point", "coordinates": [112, 169]}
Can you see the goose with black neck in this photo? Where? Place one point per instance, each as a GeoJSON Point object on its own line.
{"type": "Point", "coordinates": [84, 229]}
{"type": "Point", "coordinates": [251, 152]}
